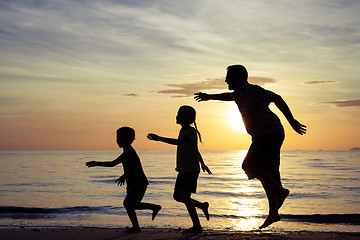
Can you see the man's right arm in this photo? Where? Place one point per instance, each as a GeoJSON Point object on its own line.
{"type": "Point", "coordinates": [221, 97]}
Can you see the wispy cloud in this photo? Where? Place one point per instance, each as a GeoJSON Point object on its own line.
{"type": "Point", "coordinates": [262, 80]}
{"type": "Point", "coordinates": [345, 103]}
{"type": "Point", "coordinates": [319, 82]}
{"type": "Point", "coordinates": [59, 31]}
{"type": "Point", "coordinates": [188, 89]}
{"type": "Point", "coordinates": [131, 95]}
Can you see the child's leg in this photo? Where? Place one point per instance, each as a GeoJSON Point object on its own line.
{"type": "Point", "coordinates": [130, 209]}
{"type": "Point", "coordinates": [204, 206]}
{"type": "Point", "coordinates": [134, 195]}
{"type": "Point", "coordinates": [133, 218]}
{"type": "Point", "coordinates": [154, 207]}
{"type": "Point", "coordinates": [186, 199]}
{"type": "Point", "coordinates": [191, 209]}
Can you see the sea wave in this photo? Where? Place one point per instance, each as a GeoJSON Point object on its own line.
{"type": "Point", "coordinates": [14, 212]}
{"type": "Point", "coordinates": [325, 218]}
{"type": "Point", "coordinates": [35, 212]}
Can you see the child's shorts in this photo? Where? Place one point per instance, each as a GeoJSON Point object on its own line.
{"type": "Point", "coordinates": [134, 195]}
{"type": "Point", "coordinates": [186, 182]}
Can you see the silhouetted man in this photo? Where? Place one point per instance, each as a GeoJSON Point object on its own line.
{"type": "Point", "coordinates": [263, 158]}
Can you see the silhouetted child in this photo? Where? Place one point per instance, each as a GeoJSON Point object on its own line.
{"type": "Point", "coordinates": [263, 158]}
{"type": "Point", "coordinates": [187, 165]}
{"type": "Point", "coordinates": [134, 176]}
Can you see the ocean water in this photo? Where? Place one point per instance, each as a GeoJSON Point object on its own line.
{"type": "Point", "coordinates": [55, 188]}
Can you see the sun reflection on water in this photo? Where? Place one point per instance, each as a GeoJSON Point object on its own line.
{"type": "Point", "coordinates": [246, 205]}
{"type": "Point", "coordinates": [247, 209]}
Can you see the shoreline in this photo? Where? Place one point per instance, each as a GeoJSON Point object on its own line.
{"type": "Point", "coordinates": [94, 233]}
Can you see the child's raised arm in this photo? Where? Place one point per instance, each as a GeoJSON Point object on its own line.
{"type": "Point", "coordinates": [221, 96]}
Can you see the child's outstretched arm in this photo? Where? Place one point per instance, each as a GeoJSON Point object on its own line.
{"type": "Point", "coordinates": [284, 108]}
{"type": "Point", "coordinates": [104, 164]}
{"type": "Point", "coordinates": [205, 97]}
{"type": "Point", "coordinates": [203, 165]}
{"type": "Point", "coordinates": [154, 137]}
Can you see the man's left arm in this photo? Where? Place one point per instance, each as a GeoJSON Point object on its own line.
{"type": "Point", "coordinates": [284, 108]}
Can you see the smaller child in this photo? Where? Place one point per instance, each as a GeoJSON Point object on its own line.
{"type": "Point", "coordinates": [134, 176]}
{"type": "Point", "coordinates": [187, 165]}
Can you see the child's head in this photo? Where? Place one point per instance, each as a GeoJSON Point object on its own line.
{"type": "Point", "coordinates": [236, 76]}
{"type": "Point", "coordinates": [186, 116]}
{"type": "Point", "coordinates": [125, 136]}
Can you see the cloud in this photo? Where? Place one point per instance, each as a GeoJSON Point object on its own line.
{"type": "Point", "coordinates": [261, 80]}
{"type": "Point", "coordinates": [319, 82]}
{"type": "Point", "coordinates": [9, 101]}
{"type": "Point", "coordinates": [87, 31]}
{"type": "Point", "coordinates": [188, 89]}
{"type": "Point", "coordinates": [131, 95]}
{"type": "Point", "coordinates": [346, 103]}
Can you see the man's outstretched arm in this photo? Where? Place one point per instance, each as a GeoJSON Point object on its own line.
{"type": "Point", "coordinates": [284, 108]}
{"type": "Point", "coordinates": [205, 97]}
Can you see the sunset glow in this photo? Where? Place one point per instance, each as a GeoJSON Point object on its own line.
{"type": "Point", "coordinates": [236, 121]}
{"type": "Point", "coordinates": [72, 72]}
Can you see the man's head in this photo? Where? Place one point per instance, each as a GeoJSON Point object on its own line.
{"type": "Point", "coordinates": [125, 136]}
{"type": "Point", "coordinates": [236, 76]}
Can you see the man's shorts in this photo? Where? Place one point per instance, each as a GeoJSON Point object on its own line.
{"type": "Point", "coordinates": [134, 195]}
{"type": "Point", "coordinates": [264, 157]}
{"type": "Point", "coordinates": [186, 182]}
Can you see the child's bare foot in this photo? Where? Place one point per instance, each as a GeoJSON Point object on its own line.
{"type": "Point", "coordinates": [270, 220]}
{"type": "Point", "coordinates": [205, 209]}
{"type": "Point", "coordinates": [133, 230]}
{"type": "Point", "coordinates": [195, 230]}
{"type": "Point", "coordinates": [282, 196]}
{"type": "Point", "coordinates": [156, 211]}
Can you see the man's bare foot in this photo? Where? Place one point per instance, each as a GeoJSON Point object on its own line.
{"type": "Point", "coordinates": [205, 209]}
{"type": "Point", "coordinates": [281, 197]}
{"type": "Point", "coordinates": [270, 220]}
{"type": "Point", "coordinates": [155, 212]}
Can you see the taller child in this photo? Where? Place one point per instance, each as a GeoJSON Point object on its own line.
{"type": "Point", "coordinates": [188, 158]}
{"type": "Point", "coordinates": [263, 158]}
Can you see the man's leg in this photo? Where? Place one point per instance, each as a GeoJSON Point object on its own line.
{"type": "Point", "coordinates": [276, 195]}
{"type": "Point", "coordinates": [271, 193]}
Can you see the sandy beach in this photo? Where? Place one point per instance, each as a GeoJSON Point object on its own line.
{"type": "Point", "coordinates": [92, 233]}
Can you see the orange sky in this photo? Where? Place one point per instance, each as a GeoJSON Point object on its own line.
{"type": "Point", "coordinates": [71, 74]}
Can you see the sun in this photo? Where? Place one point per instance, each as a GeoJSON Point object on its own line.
{"type": "Point", "coordinates": [236, 120]}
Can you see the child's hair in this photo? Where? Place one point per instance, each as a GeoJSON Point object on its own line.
{"type": "Point", "coordinates": [128, 132]}
{"type": "Point", "coordinates": [191, 114]}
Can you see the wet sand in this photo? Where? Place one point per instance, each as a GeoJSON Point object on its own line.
{"type": "Point", "coordinates": [93, 233]}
